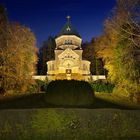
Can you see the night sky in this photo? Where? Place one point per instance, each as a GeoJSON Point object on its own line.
{"type": "Point", "coordinates": [47, 17]}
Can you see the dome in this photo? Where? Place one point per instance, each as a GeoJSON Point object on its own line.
{"type": "Point", "coordinates": [68, 29]}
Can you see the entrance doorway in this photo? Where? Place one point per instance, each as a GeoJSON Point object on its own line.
{"type": "Point", "coordinates": [68, 74]}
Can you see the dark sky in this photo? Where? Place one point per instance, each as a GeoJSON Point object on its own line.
{"type": "Point", "coordinates": [47, 17]}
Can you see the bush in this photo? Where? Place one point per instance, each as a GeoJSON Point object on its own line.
{"type": "Point", "coordinates": [32, 88]}
{"type": "Point", "coordinates": [38, 86]}
{"type": "Point", "coordinates": [73, 93]}
{"type": "Point", "coordinates": [100, 86]}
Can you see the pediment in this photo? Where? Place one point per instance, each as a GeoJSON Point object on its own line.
{"type": "Point", "coordinates": [68, 53]}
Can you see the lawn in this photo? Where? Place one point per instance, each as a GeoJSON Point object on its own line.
{"type": "Point", "coordinates": [102, 100]}
{"type": "Point", "coordinates": [68, 94]}
{"type": "Point", "coordinates": [69, 124]}
{"type": "Point", "coordinates": [34, 116]}
{"type": "Point", "coordinates": [118, 100]}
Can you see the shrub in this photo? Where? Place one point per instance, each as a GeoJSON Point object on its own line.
{"type": "Point", "coordinates": [73, 93]}
{"type": "Point", "coordinates": [38, 86]}
{"type": "Point", "coordinates": [32, 88]}
{"type": "Point", "coordinates": [100, 86]}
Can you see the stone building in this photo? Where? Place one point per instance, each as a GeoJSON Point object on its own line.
{"type": "Point", "coordinates": [68, 63]}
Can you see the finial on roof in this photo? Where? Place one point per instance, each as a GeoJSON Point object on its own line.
{"type": "Point", "coordinates": [68, 29]}
{"type": "Point", "coordinates": [68, 18]}
{"type": "Point", "coordinates": [68, 25]}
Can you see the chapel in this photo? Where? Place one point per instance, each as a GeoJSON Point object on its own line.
{"type": "Point", "coordinates": [68, 63]}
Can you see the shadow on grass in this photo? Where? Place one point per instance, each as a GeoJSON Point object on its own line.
{"type": "Point", "coordinates": [39, 101]}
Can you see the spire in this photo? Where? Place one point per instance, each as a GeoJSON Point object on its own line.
{"type": "Point", "coordinates": [68, 22]}
{"type": "Point", "coordinates": [68, 19]}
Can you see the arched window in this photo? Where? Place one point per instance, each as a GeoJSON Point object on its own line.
{"type": "Point", "coordinates": [68, 42]}
{"type": "Point", "coordinates": [84, 67]}
{"type": "Point", "coordinates": [52, 66]}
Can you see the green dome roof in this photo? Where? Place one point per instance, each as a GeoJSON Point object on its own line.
{"type": "Point", "coordinates": [68, 29]}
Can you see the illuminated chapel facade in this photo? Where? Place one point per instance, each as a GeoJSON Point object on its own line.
{"type": "Point", "coordinates": [68, 63]}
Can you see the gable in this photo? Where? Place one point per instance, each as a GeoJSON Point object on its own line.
{"type": "Point", "coordinates": [68, 53]}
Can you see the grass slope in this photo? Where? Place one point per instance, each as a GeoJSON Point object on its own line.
{"type": "Point", "coordinates": [67, 94]}
{"type": "Point", "coordinates": [39, 101]}
{"type": "Point", "coordinates": [69, 124]}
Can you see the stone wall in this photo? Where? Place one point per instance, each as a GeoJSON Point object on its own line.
{"type": "Point", "coordinates": [63, 76]}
